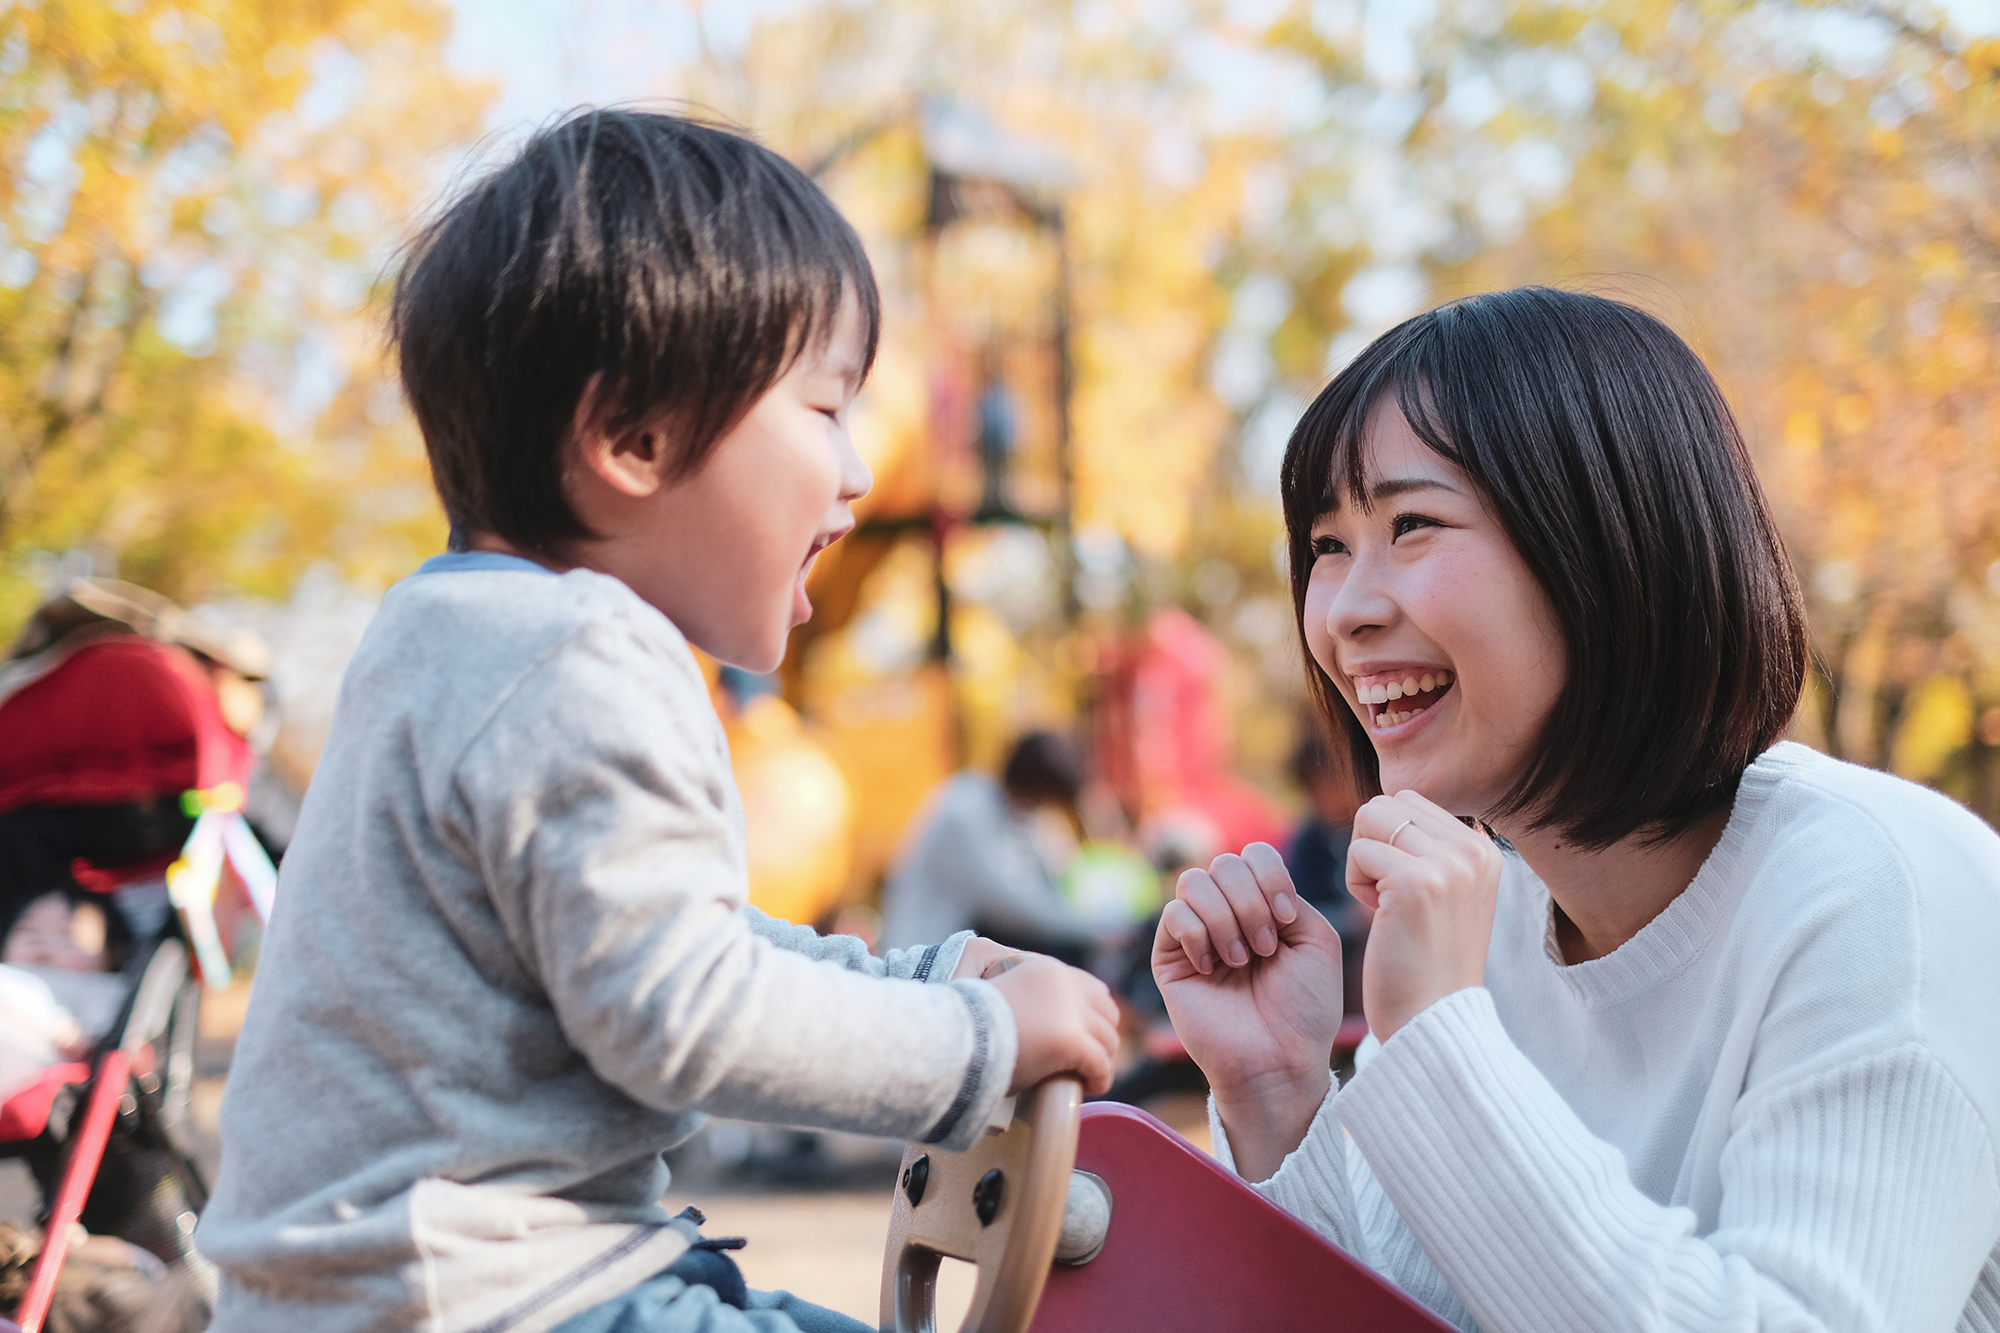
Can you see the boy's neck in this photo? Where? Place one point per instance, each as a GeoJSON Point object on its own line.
{"type": "Point", "coordinates": [495, 544]}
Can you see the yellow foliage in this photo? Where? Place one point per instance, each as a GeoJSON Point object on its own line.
{"type": "Point", "coordinates": [1802, 433]}
{"type": "Point", "coordinates": [1936, 724]}
{"type": "Point", "coordinates": [195, 205]}
{"type": "Point", "coordinates": [1816, 226]}
{"type": "Point", "coordinates": [798, 812]}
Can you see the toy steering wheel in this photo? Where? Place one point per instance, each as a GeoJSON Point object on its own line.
{"type": "Point", "coordinates": [998, 1205]}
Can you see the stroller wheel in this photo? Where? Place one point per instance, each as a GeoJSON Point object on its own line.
{"type": "Point", "coordinates": [140, 1197]}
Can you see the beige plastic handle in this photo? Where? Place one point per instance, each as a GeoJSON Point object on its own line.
{"type": "Point", "coordinates": [1013, 1250]}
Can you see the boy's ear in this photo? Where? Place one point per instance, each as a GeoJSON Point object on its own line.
{"type": "Point", "coordinates": [632, 460]}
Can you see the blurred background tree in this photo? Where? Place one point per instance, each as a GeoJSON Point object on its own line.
{"type": "Point", "coordinates": [196, 202]}
{"type": "Point", "coordinates": [201, 201]}
{"type": "Point", "coordinates": [1807, 192]}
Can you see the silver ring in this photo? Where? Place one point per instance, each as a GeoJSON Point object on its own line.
{"type": "Point", "coordinates": [1399, 828]}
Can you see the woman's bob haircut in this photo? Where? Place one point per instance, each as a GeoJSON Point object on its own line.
{"type": "Point", "coordinates": [1604, 448]}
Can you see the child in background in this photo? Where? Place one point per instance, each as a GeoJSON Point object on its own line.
{"type": "Point", "coordinates": [58, 988]}
{"type": "Point", "coordinates": [1317, 853]}
{"type": "Point", "coordinates": [512, 960]}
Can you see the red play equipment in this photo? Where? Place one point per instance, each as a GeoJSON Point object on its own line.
{"type": "Point", "coordinates": [1100, 1219]}
{"type": "Point", "coordinates": [108, 706]}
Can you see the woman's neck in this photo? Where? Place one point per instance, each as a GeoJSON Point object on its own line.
{"type": "Point", "coordinates": [1605, 897]}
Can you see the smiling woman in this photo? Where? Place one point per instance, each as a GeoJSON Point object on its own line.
{"type": "Point", "coordinates": [1676, 1025]}
{"type": "Point", "coordinates": [1574, 457]}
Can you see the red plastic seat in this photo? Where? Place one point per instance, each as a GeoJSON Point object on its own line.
{"type": "Point", "coordinates": [1192, 1249]}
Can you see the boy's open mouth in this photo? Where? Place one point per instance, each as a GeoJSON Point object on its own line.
{"type": "Point", "coordinates": [1394, 697]}
{"type": "Point", "coordinates": [820, 543]}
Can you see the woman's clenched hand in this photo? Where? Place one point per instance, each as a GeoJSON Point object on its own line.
{"type": "Point", "coordinates": [1432, 883]}
{"type": "Point", "coordinates": [1251, 977]}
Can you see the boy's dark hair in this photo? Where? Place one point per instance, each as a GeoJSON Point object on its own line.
{"type": "Point", "coordinates": [1605, 449]}
{"type": "Point", "coordinates": [681, 262]}
{"type": "Point", "coordinates": [1044, 767]}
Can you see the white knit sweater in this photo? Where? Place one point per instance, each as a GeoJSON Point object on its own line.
{"type": "Point", "coordinates": [1776, 1107]}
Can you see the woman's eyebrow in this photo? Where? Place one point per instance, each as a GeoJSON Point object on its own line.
{"type": "Point", "coordinates": [1394, 486]}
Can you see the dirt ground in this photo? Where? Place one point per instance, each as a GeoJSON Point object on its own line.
{"type": "Point", "coordinates": [815, 1209]}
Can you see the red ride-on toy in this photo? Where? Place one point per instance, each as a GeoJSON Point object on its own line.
{"type": "Point", "coordinates": [117, 764]}
{"type": "Point", "coordinates": [1100, 1219]}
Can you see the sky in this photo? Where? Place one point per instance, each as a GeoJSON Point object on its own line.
{"type": "Point", "coordinates": [549, 55]}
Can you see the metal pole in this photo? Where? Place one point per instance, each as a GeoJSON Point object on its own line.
{"type": "Point", "coordinates": [86, 1153]}
{"type": "Point", "coordinates": [1065, 461]}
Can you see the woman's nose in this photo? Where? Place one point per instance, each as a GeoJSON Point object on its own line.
{"type": "Point", "coordinates": [1360, 603]}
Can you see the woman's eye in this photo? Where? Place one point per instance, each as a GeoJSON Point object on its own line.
{"type": "Point", "coordinates": [1327, 546]}
{"type": "Point", "coordinates": [1408, 523]}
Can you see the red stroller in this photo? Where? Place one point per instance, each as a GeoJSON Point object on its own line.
{"type": "Point", "coordinates": [119, 774]}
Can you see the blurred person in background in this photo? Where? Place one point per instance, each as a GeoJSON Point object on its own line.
{"type": "Point", "coordinates": [1317, 854]}
{"type": "Point", "coordinates": [971, 860]}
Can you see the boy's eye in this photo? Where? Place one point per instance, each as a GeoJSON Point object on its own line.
{"type": "Point", "coordinates": [1327, 546]}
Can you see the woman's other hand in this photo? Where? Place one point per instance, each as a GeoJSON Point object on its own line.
{"type": "Point", "coordinates": [1432, 883]}
{"type": "Point", "coordinates": [1251, 978]}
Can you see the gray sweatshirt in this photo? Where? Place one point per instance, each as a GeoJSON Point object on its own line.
{"type": "Point", "coordinates": [511, 962]}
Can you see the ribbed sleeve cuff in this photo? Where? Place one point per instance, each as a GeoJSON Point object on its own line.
{"type": "Point", "coordinates": [1311, 1183]}
{"type": "Point", "coordinates": [929, 962]}
{"type": "Point", "coordinates": [988, 1072]}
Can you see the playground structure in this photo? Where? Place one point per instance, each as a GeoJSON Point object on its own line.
{"type": "Point", "coordinates": [955, 615]}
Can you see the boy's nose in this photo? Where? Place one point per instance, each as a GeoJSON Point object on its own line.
{"type": "Point", "coordinates": [856, 480]}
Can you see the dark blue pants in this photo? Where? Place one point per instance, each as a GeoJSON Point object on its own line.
{"type": "Point", "coordinates": [704, 1292]}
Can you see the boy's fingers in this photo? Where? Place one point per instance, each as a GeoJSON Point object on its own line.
{"type": "Point", "coordinates": [1106, 1035]}
{"type": "Point", "coordinates": [1179, 923]}
{"type": "Point", "coordinates": [1199, 891]}
{"type": "Point", "coordinates": [1275, 879]}
{"type": "Point", "coordinates": [1246, 899]}
{"type": "Point", "coordinates": [1095, 1070]}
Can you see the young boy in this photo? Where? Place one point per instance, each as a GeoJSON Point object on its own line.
{"type": "Point", "coordinates": [512, 960]}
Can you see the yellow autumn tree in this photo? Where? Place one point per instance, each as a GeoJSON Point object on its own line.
{"type": "Point", "coordinates": [197, 202]}
{"type": "Point", "coordinates": [1806, 191]}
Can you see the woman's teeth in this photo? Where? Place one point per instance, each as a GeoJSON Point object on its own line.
{"type": "Point", "coordinates": [1383, 692]}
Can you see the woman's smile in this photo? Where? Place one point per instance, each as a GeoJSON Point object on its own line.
{"type": "Point", "coordinates": [1395, 696]}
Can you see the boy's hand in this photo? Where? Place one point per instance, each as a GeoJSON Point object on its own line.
{"type": "Point", "coordinates": [1065, 1021]}
{"type": "Point", "coordinates": [980, 954]}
